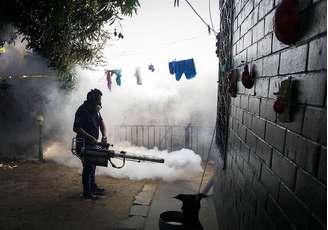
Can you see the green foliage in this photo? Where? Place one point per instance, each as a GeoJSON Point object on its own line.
{"type": "Point", "coordinates": [66, 32]}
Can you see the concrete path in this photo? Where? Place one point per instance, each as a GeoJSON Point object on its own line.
{"type": "Point", "coordinates": [163, 201]}
{"type": "Point", "coordinates": [152, 201]}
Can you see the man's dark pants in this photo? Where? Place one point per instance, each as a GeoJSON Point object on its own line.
{"type": "Point", "coordinates": [88, 178]}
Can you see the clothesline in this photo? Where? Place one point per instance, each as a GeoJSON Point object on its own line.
{"type": "Point", "coordinates": [163, 45]}
{"type": "Point", "coordinates": [177, 68]}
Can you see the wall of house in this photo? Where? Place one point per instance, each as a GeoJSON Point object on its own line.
{"type": "Point", "coordinates": [276, 171]}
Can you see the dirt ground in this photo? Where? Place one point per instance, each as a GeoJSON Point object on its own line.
{"type": "Point", "coordinates": [47, 196]}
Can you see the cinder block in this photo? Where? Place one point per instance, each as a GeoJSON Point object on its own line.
{"type": "Point", "coordinates": [261, 192]}
{"type": "Point", "coordinates": [251, 140]}
{"type": "Point", "coordinates": [248, 39]}
{"type": "Point", "coordinates": [240, 45]}
{"type": "Point", "coordinates": [270, 65]}
{"type": "Point", "coordinates": [262, 88]}
{"type": "Point", "coordinates": [235, 36]}
{"type": "Point", "coordinates": [240, 88]}
{"type": "Point", "coordinates": [242, 132]}
{"type": "Point", "coordinates": [268, 23]}
{"type": "Point", "coordinates": [237, 101]}
{"type": "Point", "coordinates": [254, 105]}
{"type": "Point", "coordinates": [252, 52]}
{"type": "Point", "coordinates": [254, 15]}
{"type": "Point", "coordinates": [294, 208]}
{"type": "Point", "coordinates": [264, 46]}
{"type": "Point", "coordinates": [258, 31]}
{"type": "Point", "coordinates": [239, 114]}
{"type": "Point", "coordinates": [314, 126]}
{"type": "Point", "coordinates": [265, 7]}
{"type": "Point", "coordinates": [247, 121]}
{"type": "Point", "coordinates": [278, 216]}
{"type": "Point", "coordinates": [255, 163]}
{"type": "Point", "coordinates": [256, 2]}
{"type": "Point", "coordinates": [264, 151]}
{"type": "Point", "coordinates": [244, 102]}
{"type": "Point", "coordinates": [244, 151]}
{"type": "Point", "coordinates": [284, 168]}
{"type": "Point", "coordinates": [312, 193]}
{"type": "Point", "coordinates": [275, 136]}
{"type": "Point", "coordinates": [318, 54]}
{"type": "Point", "coordinates": [293, 60]}
{"type": "Point", "coordinates": [234, 126]}
{"type": "Point", "coordinates": [322, 172]}
{"type": "Point", "coordinates": [235, 24]}
{"type": "Point", "coordinates": [248, 8]}
{"type": "Point", "coordinates": [315, 20]}
{"type": "Point", "coordinates": [304, 152]}
{"type": "Point", "coordinates": [232, 110]}
{"type": "Point", "coordinates": [258, 126]}
{"type": "Point", "coordinates": [270, 181]}
{"type": "Point", "coordinates": [310, 88]}
{"type": "Point", "coordinates": [245, 26]}
{"type": "Point", "coordinates": [237, 5]}
{"type": "Point", "coordinates": [266, 110]}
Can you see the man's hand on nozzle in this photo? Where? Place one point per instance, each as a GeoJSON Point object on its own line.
{"type": "Point", "coordinates": [104, 139]}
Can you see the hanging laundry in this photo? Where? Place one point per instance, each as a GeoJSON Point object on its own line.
{"type": "Point", "coordinates": [118, 74]}
{"type": "Point", "coordinates": [151, 68]}
{"type": "Point", "coordinates": [184, 66]}
{"type": "Point", "coordinates": [109, 79]}
{"type": "Point", "coordinates": [137, 75]}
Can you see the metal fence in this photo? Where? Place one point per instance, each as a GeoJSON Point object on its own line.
{"type": "Point", "coordinates": [166, 137]}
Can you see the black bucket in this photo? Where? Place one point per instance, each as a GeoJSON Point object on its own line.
{"type": "Point", "coordinates": [171, 220]}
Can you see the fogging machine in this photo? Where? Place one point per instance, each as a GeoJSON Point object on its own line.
{"type": "Point", "coordinates": [100, 154]}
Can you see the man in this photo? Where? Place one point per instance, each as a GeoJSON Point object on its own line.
{"type": "Point", "coordinates": [87, 123]}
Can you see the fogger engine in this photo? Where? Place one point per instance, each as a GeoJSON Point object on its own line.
{"type": "Point", "coordinates": [100, 154]}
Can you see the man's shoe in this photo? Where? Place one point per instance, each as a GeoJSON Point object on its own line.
{"type": "Point", "coordinates": [99, 188]}
{"type": "Point", "coordinates": [90, 197]}
{"type": "Point", "coordinates": [99, 191]}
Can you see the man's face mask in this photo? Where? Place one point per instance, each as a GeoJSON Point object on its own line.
{"type": "Point", "coordinates": [98, 108]}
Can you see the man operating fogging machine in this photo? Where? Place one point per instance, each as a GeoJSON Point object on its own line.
{"type": "Point", "coordinates": [87, 123]}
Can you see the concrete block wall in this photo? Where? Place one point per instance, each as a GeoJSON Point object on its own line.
{"type": "Point", "coordinates": [276, 176]}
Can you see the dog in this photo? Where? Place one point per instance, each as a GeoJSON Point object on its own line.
{"type": "Point", "coordinates": [190, 209]}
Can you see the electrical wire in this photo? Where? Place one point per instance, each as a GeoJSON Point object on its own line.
{"type": "Point", "coordinates": [208, 26]}
{"type": "Point", "coordinates": [210, 13]}
{"type": "Point", "coordinates": [164, 45]}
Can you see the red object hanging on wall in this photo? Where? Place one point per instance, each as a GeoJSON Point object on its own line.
{"type": "Point", "coordinates": [246, 78]}
{"type": "Point", "coordinates": [279, 105]}
{"type": "Point", "coordinates": [287, 22]}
